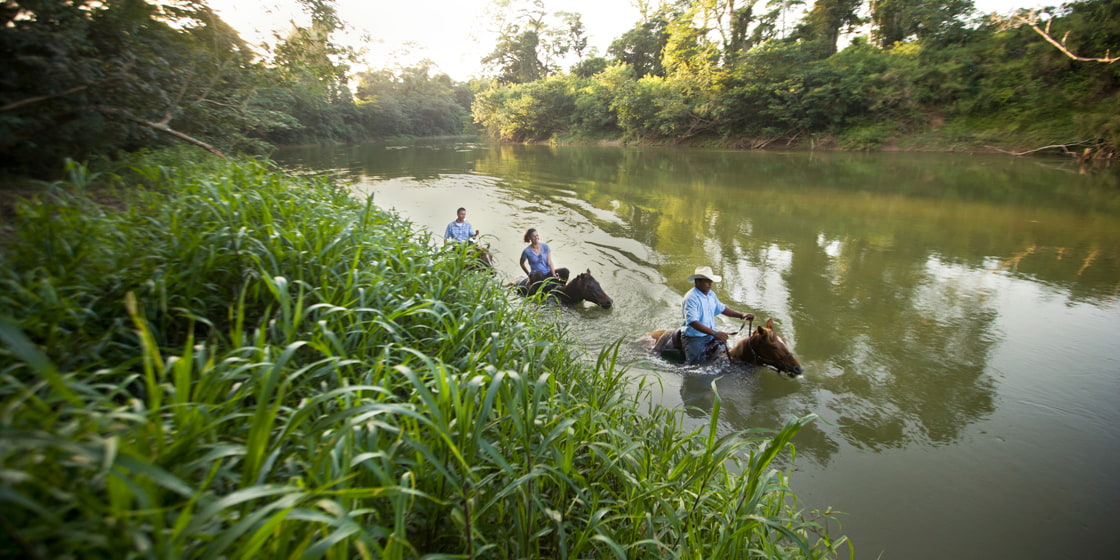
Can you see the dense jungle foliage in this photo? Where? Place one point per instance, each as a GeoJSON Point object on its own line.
{"type": "Point", "coordinates": [89, 78]}
{"type": "Point", "coordinates": [913, 73]}
{"type": "Point", "coordinates": [284, 371]}
{"type": "Point", "coordinates": [86, 78]}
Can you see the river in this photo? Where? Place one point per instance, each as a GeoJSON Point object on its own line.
{"type": "Point", "coordinates": [958, 316]}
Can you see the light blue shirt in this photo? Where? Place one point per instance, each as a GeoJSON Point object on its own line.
{"type": "Point", "coordinates": [537, 263]}
{"type": "Point", "coordinates": [459, 232]}
{"type": "Point", "coordinates": [699, 307]}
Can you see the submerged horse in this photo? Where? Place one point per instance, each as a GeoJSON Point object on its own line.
{"type": "Point", "coordinates": [477, 253]}
{"type": "Point", "coordinates": [582, 287]}
{"type": "Point", "coordinates": [763, 347]}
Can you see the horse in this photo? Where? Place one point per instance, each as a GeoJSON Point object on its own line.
{"type": "Point", "coordinates": [763, 347]}
{"type": "Point", "coordinates": [582, 287]}
{"type": "Point", "coordinates": [477, 253]}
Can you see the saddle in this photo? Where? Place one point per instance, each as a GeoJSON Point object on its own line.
{"type": "Point", "coordinates": [673, 349]}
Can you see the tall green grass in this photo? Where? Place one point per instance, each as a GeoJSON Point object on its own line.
{"type": "Point", "coordinates": [214, 360]}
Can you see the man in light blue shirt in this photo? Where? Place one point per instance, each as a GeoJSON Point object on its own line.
{"type": "Point", "coordinates": [700, 307]}
{"type": "Point", "coordinates": [460, 229]}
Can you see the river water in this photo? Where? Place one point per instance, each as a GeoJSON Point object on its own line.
{"type": "Point", "coordinates": [958, 316]}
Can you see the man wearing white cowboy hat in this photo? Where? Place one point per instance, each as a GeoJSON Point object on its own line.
{"type": "Point", "coordinates": [700, 307]}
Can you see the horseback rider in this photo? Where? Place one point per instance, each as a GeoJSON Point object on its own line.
{"type": "Point", "coordinates": [460, 229]}
{"type": "Point", "coordinates": [538, 257]}
{"type": "Point", "coordinates": [700, 307]}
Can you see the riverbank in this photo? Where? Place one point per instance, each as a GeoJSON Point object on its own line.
{"type": "Point", "coordinates": [932, 141]}
{"type": "Point", "coordinates": [229, 361]}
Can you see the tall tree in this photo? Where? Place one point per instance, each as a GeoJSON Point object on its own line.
{"type": "Point", "coordinates": [515, 58]}
{"type": "Point", "coordinates": [530, 47]}
{"type": "Point", "coordinates": [827, 20]}
{"type": "Point", "coordinates": [642, 47]}
{"type": "Point", "coordinates": [898, 20]}
{"type": "Point", "coordinates": [311, 54]}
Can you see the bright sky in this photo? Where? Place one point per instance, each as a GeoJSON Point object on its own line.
{"type": "Point", "coordinates": [453, 33]}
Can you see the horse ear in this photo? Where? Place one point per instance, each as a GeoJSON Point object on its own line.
{"type": "Point", "coordinates": [770, 322]}
{"type": "Point", "coordinates": [589, 272]}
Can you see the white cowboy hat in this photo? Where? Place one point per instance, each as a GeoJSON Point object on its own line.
{"type": "Point", "coordinates": [706, 273]}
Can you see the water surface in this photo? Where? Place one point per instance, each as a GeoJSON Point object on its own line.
{"type": "Point", "coordinates": [958, 316]}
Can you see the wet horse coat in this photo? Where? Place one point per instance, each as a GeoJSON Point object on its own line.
{"type": "Point", "coordinates": [763, 347]}
{"type": "Point", "coordinates": [583, 287]}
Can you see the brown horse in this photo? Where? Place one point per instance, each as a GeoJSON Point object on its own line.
{"type": "Point", "coordinates": [582, 287]}
{"type": "Point", "coordinates": [763, 347]}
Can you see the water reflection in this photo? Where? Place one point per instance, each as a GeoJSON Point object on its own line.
{"type": "Point", "coordinates": [879, 269]}
{"type": "Point", "coordinates": [957, 316]}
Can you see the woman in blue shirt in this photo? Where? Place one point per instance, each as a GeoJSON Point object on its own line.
{"type": "Point", "coordinates": [539, 257]}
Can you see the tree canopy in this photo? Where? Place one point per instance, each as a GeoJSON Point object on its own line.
{"type": "Point", "coordinates": [90, 78]}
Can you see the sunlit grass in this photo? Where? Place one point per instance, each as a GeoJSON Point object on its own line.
{"type": "Point", "coordinates": [214, 360]}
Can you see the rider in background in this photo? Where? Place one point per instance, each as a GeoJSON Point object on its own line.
{"type": "Point", "coordinates": [539, 257]}
{"type": "Point", "coordinates": [460, 229]}
{"type": "Point", "coordinates": [700, 307]}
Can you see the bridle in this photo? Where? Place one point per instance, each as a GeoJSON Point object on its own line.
{"type": "Point", "coordinates": [759, 359]}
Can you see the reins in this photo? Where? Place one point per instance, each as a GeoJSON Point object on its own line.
{"type": "Point", "coordinates": [727, 347]}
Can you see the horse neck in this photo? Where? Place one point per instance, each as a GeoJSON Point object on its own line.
{"type": "Point", "coordinates": [571, 291]}
{"type": "Point", "coordinates": [748, 353]}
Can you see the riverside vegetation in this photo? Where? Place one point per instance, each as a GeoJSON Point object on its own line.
{"type": "Point", "coordinates": [86, 79]}
{"type": "Point", "coordinates": [205, 358]}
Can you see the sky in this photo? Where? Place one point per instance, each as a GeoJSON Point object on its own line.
{"type": "Point", "coordinates": [452, 33]}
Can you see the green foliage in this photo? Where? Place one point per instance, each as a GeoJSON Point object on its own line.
{"type": "Point", "coordinates": [87, 79]}
{"type": "Point", "coordinates": [84, 78]}
{"type": "Point", "coordinates": [899, 20]}
{"type": "Point", "coordinates": [411, 102]}
{"type": "Point", "coordinates": [589, 67]}
{"type": "Point", "coordinates": [981, 85]}
{"type": "Point", "coordinates": [526, 112]}
{"type": "Point", "coordinates": [641, 47]}
{"type": "Point", "coordinates": [228, 362]}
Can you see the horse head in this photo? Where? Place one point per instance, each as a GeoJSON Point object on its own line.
{"type": "Point", "coordinates": [766, 348]}
{"type": "Point", "coordinates": [585, 287]}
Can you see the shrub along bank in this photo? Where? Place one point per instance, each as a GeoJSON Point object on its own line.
{"type": "Point", "coordinates": [210, 359]}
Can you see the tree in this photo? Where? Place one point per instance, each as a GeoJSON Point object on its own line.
{"type": "Point", "coordinates": [83, 77]}
{"type": "Point", "coordinates": [641, 47]}
{"type": "Point", "coordinates": [898, 20]}
{"type": "Point", "coordinates": [515, 58]}
{"type": "Point", "coordinates": [827, 20]}
{"type": "Point", "coordinates": [410, 101]}
{"type": "Point", "coordinates": [1033, 19]}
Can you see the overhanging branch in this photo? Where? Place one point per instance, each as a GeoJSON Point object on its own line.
{"type": "Point", "coordinates": [1031, 19]}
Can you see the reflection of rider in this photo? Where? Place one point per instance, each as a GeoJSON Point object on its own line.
{"type": "Point", "coordinates": [539, 257]}
{"type": "Point", "coordinates": [460, 229]}
{"type": "Point", "coordinates": [700, 307]}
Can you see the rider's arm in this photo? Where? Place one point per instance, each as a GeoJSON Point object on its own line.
{"type": "Point", "coordinates": [702, 328]}
{"type": "Point", "coordinates": [551, 268]}
{"type": "Point", "coordinates": [732, 313]}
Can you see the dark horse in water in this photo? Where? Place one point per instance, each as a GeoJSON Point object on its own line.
{"type": "Point", "coordinates": [582, 287]}
{"type": "Point", "coordinates": [763, 347]}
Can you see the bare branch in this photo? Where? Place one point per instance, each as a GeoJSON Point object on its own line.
{"type": "Point", "coordinates": [30, 100]}
{"type": "Point", "coordinates": [1064, 147]}
{"type": "Point", "coordinates": [1031, 19]}
{"type": "Point", "coordinates": [162, 127]}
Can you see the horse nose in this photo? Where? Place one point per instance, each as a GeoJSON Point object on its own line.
{"type": "Point", "coordinates": [795, 371]}
{"type": "Point", "coordinates": [607, 304]}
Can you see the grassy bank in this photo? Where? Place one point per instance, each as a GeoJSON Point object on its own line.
{"type": "Point", "coordinates": [214, 360]}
